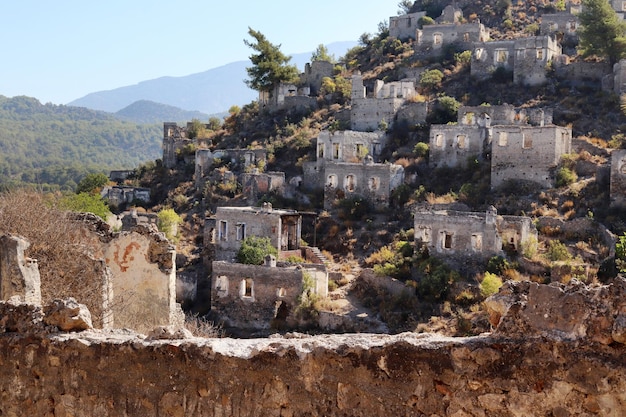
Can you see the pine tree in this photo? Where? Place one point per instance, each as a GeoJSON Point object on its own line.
{"type": "Point", "coordinates": [601, 33]}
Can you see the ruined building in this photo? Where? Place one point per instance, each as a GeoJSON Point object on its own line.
{"type": "Point", "coordinates": [19, 275]}
{"type": "Point", "coordinates": [118, 195]}
{"type": "Point", "coordinates": [527, 58]}
{"type": "Point", "coordinates": [346, 167]}
{"type": "Point", "coordinates": [404, 27]}
{"type": "Point", "coordinates": [231, 225]}
{"type": "Point", "coordinates": [457, 234]}
{"type": "Point", "coordinates": [259, 296]}
{"type": "Point", "coordinates": [521, 143]}
{"type": "Point", "coordinates": [174, 140]}
{"type": "Point", "coordinates": [238, 160]}
{"type": "Point", "coordinates": [376, 109]}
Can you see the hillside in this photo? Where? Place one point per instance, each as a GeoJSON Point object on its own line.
{"type": "Point", "coordinates": [212, 91]}
{"type": "Point", "coordinates": [57, 145]}
{"type": "Point", "coordinates": [149, 112]}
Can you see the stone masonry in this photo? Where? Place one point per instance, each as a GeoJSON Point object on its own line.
{"type": "Point", "coordinates": [231, 225]}
{"type": "Point", "coordinates": [618, 178]}
{"type": "Point", "coordinates": [468, 234]}
{"type": "Point", "coordinates": [527, 58]}
{"type": "Point", "coordinates": [256, 296]}
{"type": "Point", "coordinates": [19, 275]}
{"type": "Point", "coordinates": [404, 26]}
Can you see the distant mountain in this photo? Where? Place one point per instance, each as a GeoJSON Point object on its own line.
{"type": "Point", "coordinates": [149, 112]}
{"type": "Point", "coordinates": [57, 145]}
{"type": "Point", "coordinates": [212, 91]}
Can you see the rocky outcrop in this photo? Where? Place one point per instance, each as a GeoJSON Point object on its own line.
{"type": "Point", "coordinates": [575, 311]}
{"type": "Point", "coordinates": [67, 315]}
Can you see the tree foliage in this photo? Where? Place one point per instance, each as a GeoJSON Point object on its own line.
{"type": "Point", "coordinates": [269, 66]}
{"type": "Point", "coordinates": [168, 221]}
{"type": "Point", "coordinates": [92, 183]}
{"type": "Point", "coordinates": [85, 203]}
{"type": "Point", "coordinates": [490, 284]}
{"type": "Point", "coordinates": [321, 54]}
{"type": "Point", "coordinates": [602, 33]}
{"type": "Point", "coordinates": [254, 249]}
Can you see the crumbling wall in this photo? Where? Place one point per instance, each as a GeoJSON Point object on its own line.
{"type": "Point", "coordinates": [404, 26]}
{"type": "Point", "coordinates": [143, 280]}
{"type": "Point", "coordinates": [255, 184]}
{"type": "Point", "coordinates": [528, 153]}
{"type": "Point", "coordinates": [349, 145]}
{"type": "Point", "coordinates": [433, 38]}
{"type": "Point", "coordinates": [453, 145]}
{"type": "Point", "coordinates": [19, 275]}
{"type": "Point", "coordinates": [250, 296]}
{"type": "Point", "coordinates": [618, 178]}
{"type": "Point", "coordinates": [556, 351]}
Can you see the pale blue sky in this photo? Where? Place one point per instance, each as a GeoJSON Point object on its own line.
{"type": "Point", "coordinates": [58, 51]}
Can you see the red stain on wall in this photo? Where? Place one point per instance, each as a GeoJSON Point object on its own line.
{"type": "Point", "coordinates": [127, 257]}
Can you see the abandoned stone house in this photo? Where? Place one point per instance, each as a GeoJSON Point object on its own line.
{"type": "Point", "coordinates": [431, 39]}
{"type": "Point", "coordinates": [618, 178]}
{"type": "Point", "coordinates": [132, 218]}
{"type": "Point", "coordinates": [255, 184]}
{"type": "Point", "coordinates": [472, 137]}
{"type": "Point", "coordinates": [120, 175]}
{"type": "Point", "coordinates": [119, 195]}
{"type": "Point", "coordinates": [377, 109]}
{"type": "Point", "coordinates": [404, 27]}
{"type": "Point", "coordinates": [174, 139]}
{"type": "Point", "coordinates": [238, 160]}
{"type": "Point", "coordinates": [527, 58]}
{"type": "Point", "coordinates": [374, 182]}
{"type": "Point", "coordinates": [231, 225]}
{"type": "Point", "coordinates": [447, 233]}
{"type": "Point", "coordinates": [528, 153]}
{"type": "Point", "coordinates": [304, 94]}
{"type": "Point", "coordinates": [619, 6]}
{"type": "Point", "coordinates": [565, 23]}
{"type": "Point", "coordinates": [260, 296]}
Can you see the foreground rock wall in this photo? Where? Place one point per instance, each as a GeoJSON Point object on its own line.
{"type": "Point", "coordinates": [108, 374]}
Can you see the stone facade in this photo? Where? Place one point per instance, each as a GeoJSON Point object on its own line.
{"type": "Point", "coordinates": [120, 175]}
{"type": "Point", "coordinates": [370, 110]}
{"type": "Point", "coordinates": [432, 38]}
{"type": "Point", "coordinates": [239, 160]}
{"type": "Point", "coordinates": [231, 225]}
{"type": "Point", "coordinates": [528, 153]}
{"type": "Point", "coordinates": [256, 184]}
{"type": "Point", "coordinates": [131, 219]}
{"type": "Point", "coordinates": [404, 26]}
{"type": "Point", "coordinates": [375, 182]}
{"type": "Point", "coordinates": [143, 280]}
{"type": "Point", "coordinates": [313, 75]}
{"type": "Point", "coordinates": [618, 178]}
{"type": "Point", "coordinates": [119, 195]}
{"type": "Point", "coordinates": [350, 146]}
{"type": "Point", "coordinates": [19, 275]}
{"type": "Point", "coordinates": [527, 58]}
{"type": "Point", "coordinates": [448, 233]}
{"type": "Point", "coordinates": [560, 23]}
{"type": "Point", "coordinates": [452, 145]}
{"type": "Point", "coordinates": [619, 77]}
{"type": "Point", "coordinates": [255, 296]}
{"type": "Point", "coordinates": [174, 139]}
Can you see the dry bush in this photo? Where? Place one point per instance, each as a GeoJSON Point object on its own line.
{"type": "Point", "coordinates": [201, 327]}
{"type": "Point", "coordinates": [65, 249]}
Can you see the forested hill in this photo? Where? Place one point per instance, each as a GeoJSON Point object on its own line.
{"type": "Point", "coordinates": [53, 145]}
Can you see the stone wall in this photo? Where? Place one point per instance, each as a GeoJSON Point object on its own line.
{"type": "Point", "coordinates": [233, 224]}
{"type": "Point", "coordinates": [313, 74]}
{"type": "Point", "coordinates": [239, 159]}
{"type": "Point", "coordinates": [565, 23]}
{"type": "Point", "coordinates": [618, 178]}
{"type": "Point", "coordinates": [453, 145]}
{"type": "Point", "coordinates": [432, 38]}
{"type": "Point", "coordinates": [528, 153]}
{"type": "Point", "coordinates": [404, 26]}
{"type": "Point", "coordinates": [470, 234]}
{"type": "Point", "coordinates": [349, 145]}
{"type": "Point", "coordinates": [118, 195]}
{"type": "Point", "coordinates": [374, 182]}
{"type": "Point", "coordinates": [19, 275]}
{"type": "Point", "coordinates": [556, 351]}
{"type": "Point", "coordinates": [143, 280]}
{"type": "Point", "coordinates": [527, 58]}
{"type": "Point", "coordinates": [256, 184]}
{"type": "Point", "coordinates": [254, 296]}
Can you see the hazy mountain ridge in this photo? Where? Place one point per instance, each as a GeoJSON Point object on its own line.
{"type": "Point", "coordinates": [211, 91]}
{"type": "Point", "coordinates": [57, 144]}
{"type": "Point", "coordinates": [150, 112]}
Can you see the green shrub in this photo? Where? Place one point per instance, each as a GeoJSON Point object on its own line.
{"type": "Point", "coordinates": [497, 265]}
{"type": "Point", "coordinates": [168, 221]}
{"type": "Point", "coordinates": [463, 58]}
{"type": "Point", "coordinates": [565, 176]}
{"type": "Point", "coordinates": [557, 251]}
{"type": "Point", "coordinates": [529, 247]}
{"type": "Point", "coordinates": [431, 78]}
{"type": "Point", "coordinates": [490, 284]}
{"type": "Point", "coordinates": [254, 249]}
{"type": "Point", "coordinates": [421, 149]}
{"type": "Point", "coordinates": [85, 203]}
